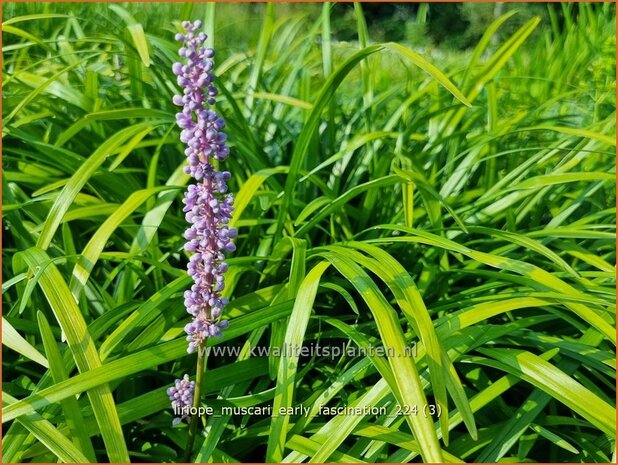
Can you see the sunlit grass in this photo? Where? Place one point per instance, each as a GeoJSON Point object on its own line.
{"type": "Point", "coordinates": [463, 204]}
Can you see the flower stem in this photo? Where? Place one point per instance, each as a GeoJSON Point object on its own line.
{"type": "Point", "coordinates": [197, 394]}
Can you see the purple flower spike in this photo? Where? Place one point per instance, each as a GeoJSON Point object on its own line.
{"type": "Point", "coordinates": [181, 395]}
{"type": "Point", "coordinates": [208, 205]}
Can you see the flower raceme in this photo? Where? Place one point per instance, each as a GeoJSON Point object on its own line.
{"type": "Point", "coordinates": [208, 205]}
{"type": "Point", "coordinates": [181, 395]}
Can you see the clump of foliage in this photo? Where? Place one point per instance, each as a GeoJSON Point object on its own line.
{"type": "Point", "coordinates": [460, 204]}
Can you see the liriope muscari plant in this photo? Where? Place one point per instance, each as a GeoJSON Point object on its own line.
{"type": "Point", "coordinates": [208, 208]}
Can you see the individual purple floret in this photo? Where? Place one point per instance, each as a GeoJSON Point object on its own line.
{"type": "Point", "coordinates": [208, 205]}
{"type": "Point", "coordinates": [181, 395]}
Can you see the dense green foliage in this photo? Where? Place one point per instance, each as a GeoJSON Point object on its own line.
{"type": "Point", "coordinates": [459, 203]}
